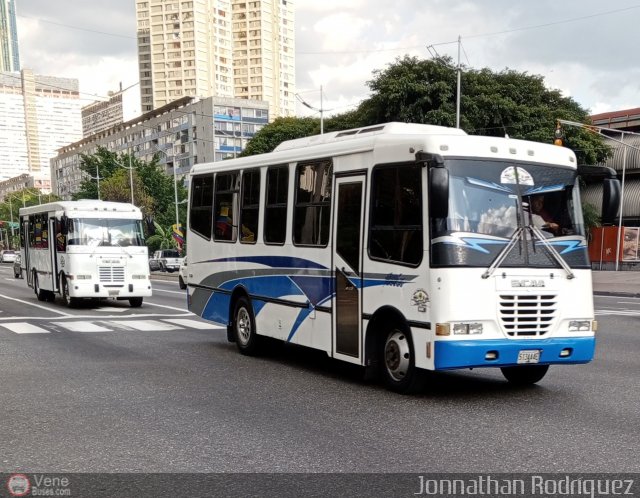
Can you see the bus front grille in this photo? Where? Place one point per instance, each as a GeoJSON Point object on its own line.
{"type": "Point", "coordinates": [527, 315]}
{"type": "Point", "coordinates": [111, 274]}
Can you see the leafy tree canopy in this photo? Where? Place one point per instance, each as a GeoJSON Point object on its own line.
{"type": "Point", "coordinates": [492, 103]}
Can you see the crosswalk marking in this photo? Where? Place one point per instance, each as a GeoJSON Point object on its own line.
{"type": "Point", "coordinates": [82, 327]}
{"type": "Point", "coordinates": [147, 325]}
{"type": "Point", "coordinates": [24, 328]}
{"type": "Point", "coordinates": [101, 325]}
{"type": "Point", "coordinates": [194, 324]}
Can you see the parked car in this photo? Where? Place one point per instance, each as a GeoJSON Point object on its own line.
{"type": "Point", "coordinates": [17, 266]}
{"type": "Point", "coordinates": [166, 260]}
{"type": "Point", "coordinates": [7, 256]}
{"type": "Point", "coordinates": [154, 264]}
{"type": "Point", "coordinates": [182, 277]}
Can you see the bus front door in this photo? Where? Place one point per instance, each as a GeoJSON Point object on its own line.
{"type": "Point", "coordinates": [347, 263]}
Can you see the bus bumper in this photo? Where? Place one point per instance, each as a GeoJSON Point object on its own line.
{"type": "Point", "coordinates": [451, 355]}
{"type": "Point", "coordinates": [126, 291]}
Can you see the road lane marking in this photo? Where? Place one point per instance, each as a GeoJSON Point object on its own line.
{"type": "Point", "coordinates": [82, 327]}
{"type": "Point", "coordinates": [163, 306]}
{"type": "Point", "coordinates": [194, 324]}
{"type": "Point", "coordinates": [183, 292]}
{"type": "Point", "coordinates": [29, 303]}
{"type": "Point", "coordinates": [147, 325]}
{"type": "Point", "coordinates": [25, 328]}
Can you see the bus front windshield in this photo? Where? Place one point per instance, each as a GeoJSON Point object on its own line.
{"type": "Point", "coordinates": [490, 200]}
{"type": "Point", "coordinates": [105, 232]}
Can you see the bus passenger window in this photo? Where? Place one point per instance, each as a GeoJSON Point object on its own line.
{"type": "Point", "coordinates": [249, 211]}
{"type": "Point", "coordinates": [396, 218]}
{"type": "Point", "coordinates": [275, 212]}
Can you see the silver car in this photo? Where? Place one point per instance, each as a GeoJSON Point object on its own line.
{"type": "Point", "coordinates": [182, 276]}
{"type": "Point", "coordinates": [7, 256]}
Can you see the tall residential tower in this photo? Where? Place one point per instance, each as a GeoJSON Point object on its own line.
{"type": "Point", "coordinates": [9, 57]}
{"type": "Point", "coordinates": [220, 48]}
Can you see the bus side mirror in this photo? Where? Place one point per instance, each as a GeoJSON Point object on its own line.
{"type": "Point", "coordinates": [610, 200]}
{"type": "Point", "coordinates": [64, 224]}
{"type": "Point", "coordinates": [439, 192]}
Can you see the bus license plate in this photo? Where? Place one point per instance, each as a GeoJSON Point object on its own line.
{"type": "Point", "coordinates": [529, 356]}
{"type": "Point", "coordinates": [114, 292]}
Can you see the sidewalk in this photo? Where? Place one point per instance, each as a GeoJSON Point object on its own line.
{"type": "Point", "coordinates": [616, 283]}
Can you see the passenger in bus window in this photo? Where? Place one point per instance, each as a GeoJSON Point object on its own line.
{"type": "Point", "coordinates": [541, 217]}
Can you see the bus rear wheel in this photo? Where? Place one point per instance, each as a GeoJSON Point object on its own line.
{"type": "Point", "coordinates": [135, 302]}
{"type": "Point", "coordinates": [40, 294]}
{"type": "Point", "coordinates": [398, 363]}
{"type": "Point", "coordinates": [244, 328]}
{"type": "Point", "coordinates": [524, 375]}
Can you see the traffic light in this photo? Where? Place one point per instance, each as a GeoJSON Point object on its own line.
{"type": "Point", "coordinates": [558, 135]}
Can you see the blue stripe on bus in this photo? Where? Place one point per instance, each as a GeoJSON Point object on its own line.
{"type": "Point", "coordinates": [471, 353]}
{"type": "Point", "coordinates": [272, 261]}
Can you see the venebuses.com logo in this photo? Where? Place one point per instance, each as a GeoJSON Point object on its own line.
{"type": "Point", "coordinates": [18, 485]}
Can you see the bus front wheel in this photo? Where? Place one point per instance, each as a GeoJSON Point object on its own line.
{"type": "Point", "coordinates": [524, 375]}
{"type": "Point", "coordinates": [68, 300]}
{"type": "Point", "coordinates": [244, 328]}
{"type": "Point", "coordinates": [398, 363]}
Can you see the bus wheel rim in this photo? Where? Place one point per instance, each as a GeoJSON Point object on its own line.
{"type": "Point", "coordinates": [243, 326]}
{"type": "Point", "coordinates": [397, 356]}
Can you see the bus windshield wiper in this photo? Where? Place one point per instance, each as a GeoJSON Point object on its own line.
{"type": "Point", "coordinates": [503, 254]}
{"type": "Point", "coordinates": [537, 233]}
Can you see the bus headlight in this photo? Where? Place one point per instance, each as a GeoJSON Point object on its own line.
{"type": "Point", "coordinates": [467, 328]}
{"type": "Point", "coordinates": [139, 277]}
{"type": "Point", "coordinates": [83, 277]}
{"type": "Point", "coordinates": [580, 326]}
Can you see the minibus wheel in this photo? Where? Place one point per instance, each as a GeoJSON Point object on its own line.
{"type": "Point", "coordinates": [398, 363]}
{"type": "Point", "coordinates": [524, 375]}
{"type": "Point", "coordinates": [68, 300]}
{"type": "Point", "coordinates": [40, 294]}
{"type": "Point", "coordinates": [244, 327]}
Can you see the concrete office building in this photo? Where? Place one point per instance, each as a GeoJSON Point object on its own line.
{"type": "Point", "coordinates": [182, 133]}
{"type": "Point", "coordinates": [9, 56]}
{"type": "Point", "coordinates": [221, 48]}
{"type": "Point", "coordinates": [121, 106]}
{"type": "Point", "coordinates": [38, 115]}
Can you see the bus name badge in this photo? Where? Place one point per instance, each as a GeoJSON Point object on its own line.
{"type": "Point", "coordinates": [528, 356]}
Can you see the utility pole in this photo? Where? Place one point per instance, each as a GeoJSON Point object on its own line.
{"type": "Point", "coordinates": [458, 86]}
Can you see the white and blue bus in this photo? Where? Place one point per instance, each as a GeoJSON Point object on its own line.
{"type": "Point", "coordinates": [86, 249]}
{"type": "Point", "coordinates": [400, 248]}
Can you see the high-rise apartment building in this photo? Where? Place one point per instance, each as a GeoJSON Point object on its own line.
{"type": "Point", "coordinates": [38, 115]}
{"type": "Point", "coordinates": [9, 56]}
{"type": "Point", "coordinates": [220, 48]}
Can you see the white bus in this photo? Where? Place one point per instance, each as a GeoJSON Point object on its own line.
{"type": "Point", "coordinates": [85, 249]}
{"type": "Point", "coordinates": [400, 248]}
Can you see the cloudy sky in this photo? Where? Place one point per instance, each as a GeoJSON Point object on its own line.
{"type": "Point", "coordinates": [586, 48]}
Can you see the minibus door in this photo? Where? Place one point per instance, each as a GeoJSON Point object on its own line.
{"type": "Point", "coordinates": [347, 265]}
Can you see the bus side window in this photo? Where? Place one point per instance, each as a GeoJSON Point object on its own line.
{"type": "Point", "coordinates": [396, 219]}
{"type": "Point", "coordinates": [275, 212]}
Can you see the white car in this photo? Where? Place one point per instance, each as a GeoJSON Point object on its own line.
{"type": "Point", "coordinates": [7, 256]}
{"type": "Point", "coordinates": [182, 276]}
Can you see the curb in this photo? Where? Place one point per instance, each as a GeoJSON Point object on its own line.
{"type": "Point", "coordinates": [616, 294]}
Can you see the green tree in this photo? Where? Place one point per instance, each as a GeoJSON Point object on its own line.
{"type": "Point", "coordinates": [282, 129]}
{"type": "Point", "coordinates": [10, 208]}
{"type": "Point", "coordinates": [161, 239]}
{"type": "Point", "coordinates": [492, 103]}
{"type": "Point", "coordinates": [154, 191]}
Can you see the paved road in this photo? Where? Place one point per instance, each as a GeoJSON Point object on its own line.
{"type": "Point", "coordinates": [155, 389]}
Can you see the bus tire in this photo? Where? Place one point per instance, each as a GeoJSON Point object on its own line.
{"type": "Point", "coordinates": [181, 283]}
{"type": "Point", "coordinates": [40, 294]}
{"type": "Point", "coordinates": [71, 302]}
{"type": "Point", "coordinates": [398, 363]}
{"type": "Point", "coordinates": [244, 328]}
{"type": "Point", "coordinates": [524, 375]}
{"type": "Point", "coordinates": [135, 302]}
